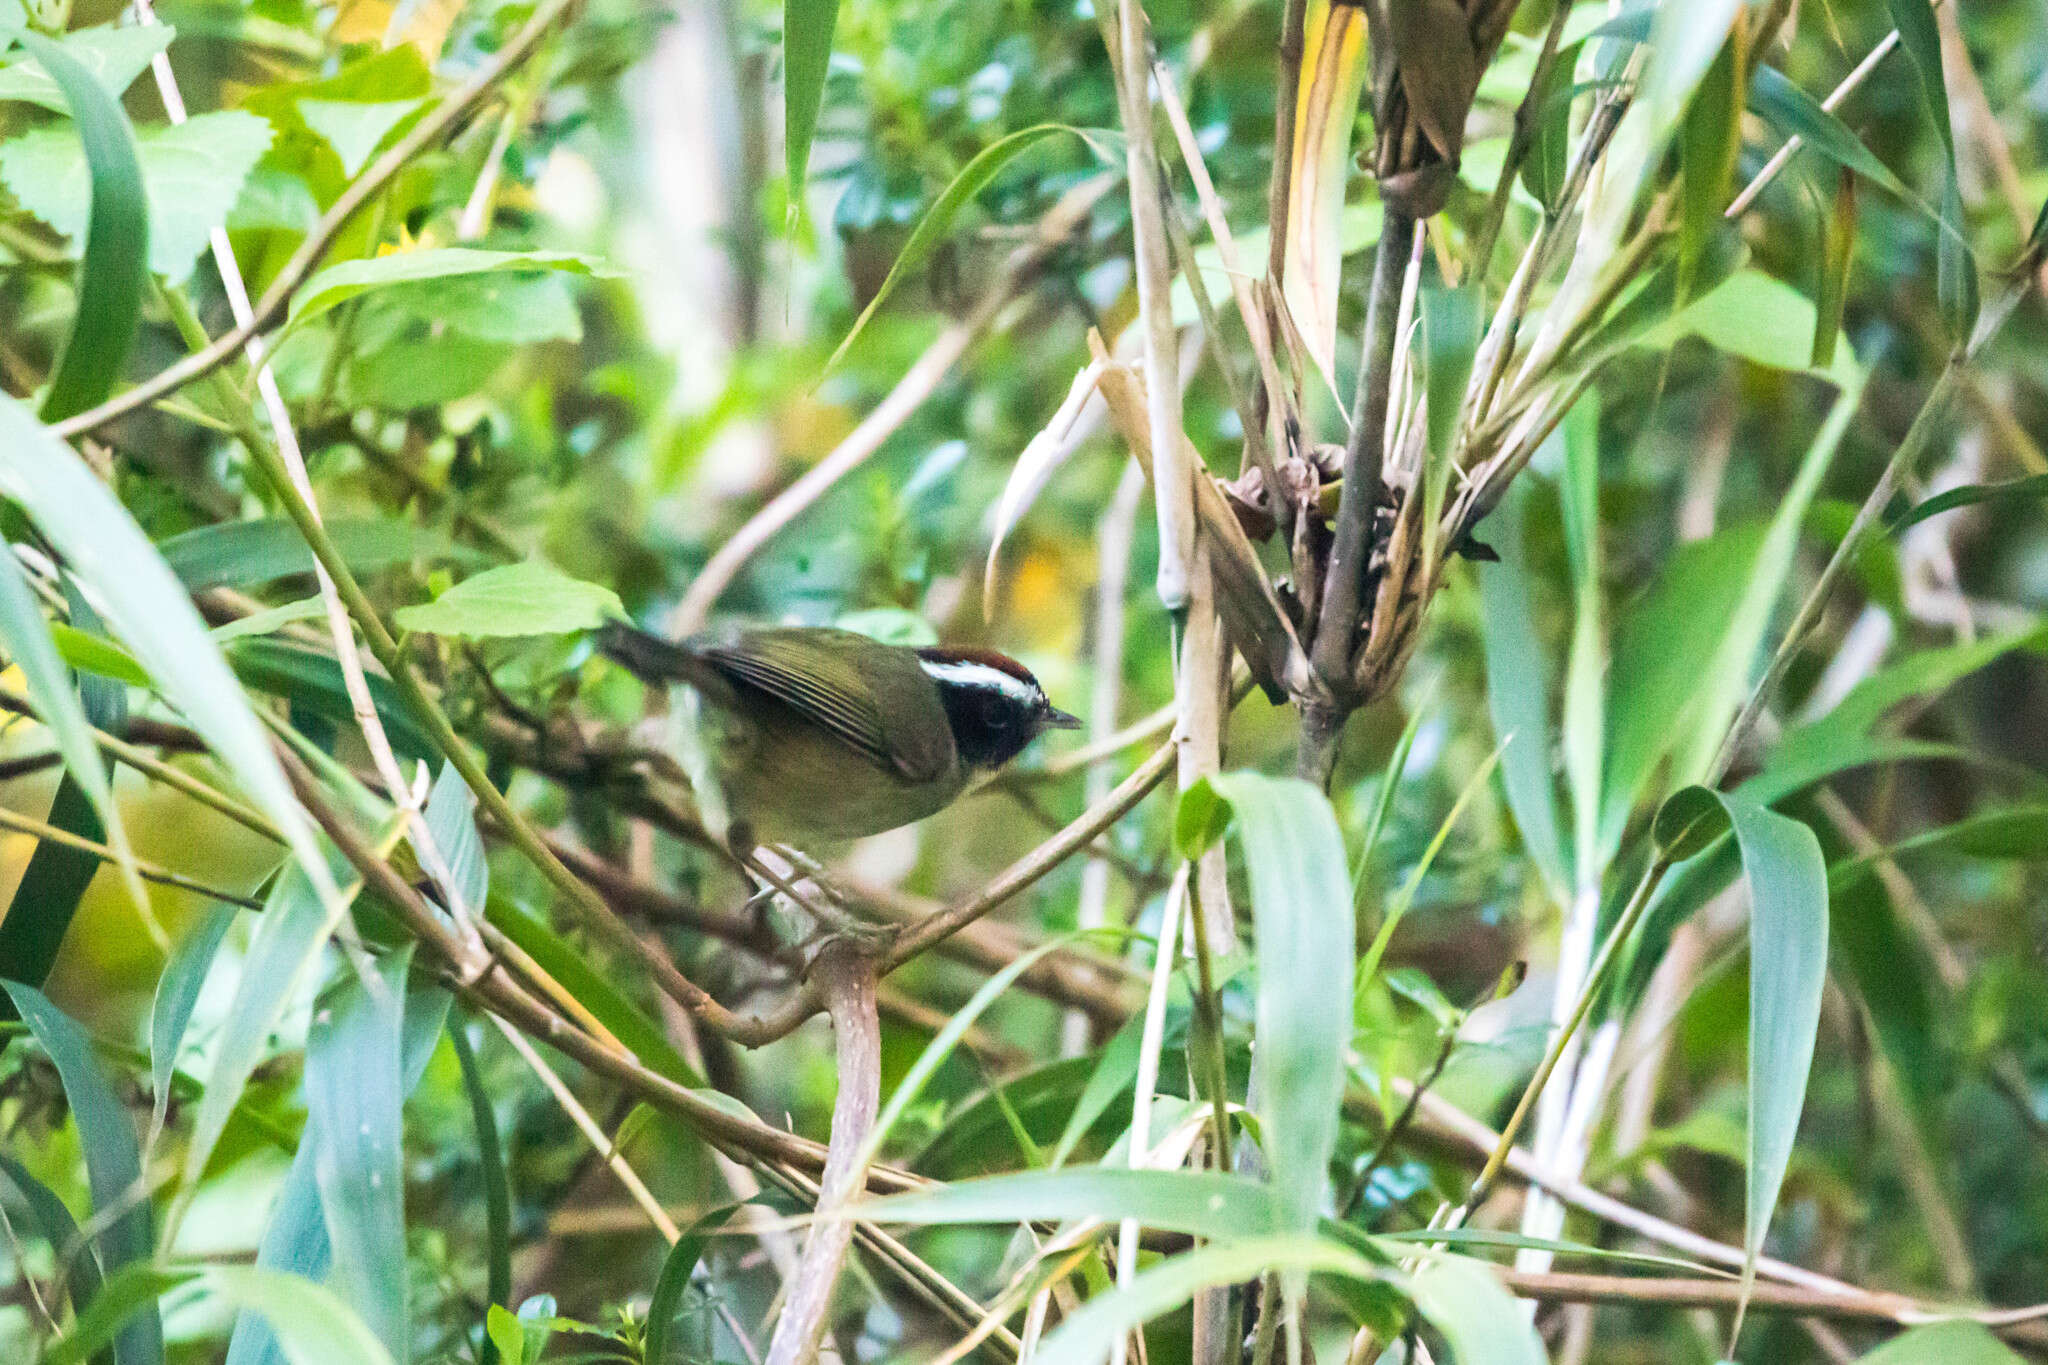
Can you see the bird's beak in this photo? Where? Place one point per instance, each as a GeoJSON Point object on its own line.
{"type": "Point", "coordinates": [1056, 719]}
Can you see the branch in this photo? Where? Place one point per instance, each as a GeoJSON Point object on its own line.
{"type": "Point", "coordinates": [845, 977]}
{"type": "Point", "coordinates": [1075, 837]}
{"type": "Point", "coordinates": [2023, 1324]}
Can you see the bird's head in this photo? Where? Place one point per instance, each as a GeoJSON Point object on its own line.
{"type": "Point", "coordinates": [993, 704]}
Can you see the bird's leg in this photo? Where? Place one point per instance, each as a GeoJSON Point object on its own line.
{"type": "Point", "coordinates": [813, 895]}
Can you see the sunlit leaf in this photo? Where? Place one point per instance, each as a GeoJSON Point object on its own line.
{"type": "Point", "coordinates": [528, 598]}
{"type": "Point", "coordinates": [192, 171]}
{"type": "Point", "coordinates": [114, 56]}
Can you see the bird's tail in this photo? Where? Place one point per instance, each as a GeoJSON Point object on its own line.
{"type": "Point", "coordinates": [651, 658]}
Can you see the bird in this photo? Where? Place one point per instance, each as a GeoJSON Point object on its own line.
{"type": "Point", "coordinates": [822, 735]}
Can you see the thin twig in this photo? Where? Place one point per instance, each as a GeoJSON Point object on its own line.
{"type": "Point", "coordinates": [606, 1149]}
{"type": "Point", "coordinates": [149, 872]}
{"type": "Point", "coordinates": [916, 938]}
{"type": "Point", "coordinates": [1863, 1306]}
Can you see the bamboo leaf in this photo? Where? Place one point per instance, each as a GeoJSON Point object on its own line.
{"type": "Point", "coordinates": [498, 1192]}
{"type": "Point", "coordinates": [1944, 1343]}
{"type": "Point", "coordinates": [113, 1163]}
{"type": "Point", "coordinates": [1970, 495]}
{"type": "Point", "coordinates": [1294, 861]}
{"type": "Point", "coordinates": [113, 270]}
{"type": "Point", "coordinates": [676, 1269]}
{"type": "Point", "coordinates": [312, 1325]}
{"type": "Point", "coordinates": [1205, 1204]}
{"type": "Point", "coordinates": [1708, 141]}
{"type": "Point", "coordinates": [1087, 1336]}
{"type": "Point", "coordinates": [806, 60]}
{"type": "Point", "coordinates": [937, 221]}
{"type": "Point", "coordinates": [177, 992]}
{"type": "Point", "coordinates": [354, 1121]}
{"type": "Point", "coordinates": [1792, 111]}
{"type": "Point", "coordinates": [1518, 686]}
{"type": "Point", "coordinates": [1837, 254]}
{"type": "Point", "coordinates": [149, 611]}
{"type": "Point", "coordinates": [1956, 266]}
{"type": "Point", "coordinates": [78, 1267]}
{"type": "Point", "coordinates": [1463, 1300]}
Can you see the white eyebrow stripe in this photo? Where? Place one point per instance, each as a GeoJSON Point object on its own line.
{"type": "Point", "coordinates": [967, 673]}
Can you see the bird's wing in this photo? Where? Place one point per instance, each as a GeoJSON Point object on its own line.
{"type": "Point", "coordinates": [823, 685]}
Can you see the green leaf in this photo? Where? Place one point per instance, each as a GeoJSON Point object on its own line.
{"type": "Point", "coordinates": [356, 128]}
{"type": "Point", "coordinates": [1684, 40]}
{"type": "Point", "coordinates": [114, 222]}
{"type": "Point", "coordinates": [510, 308]}
{"type": "Point", "coordinates": [1838, 254]}
{"type": "Point", "coordinates": [1708, 140]}
{"type": "Point", "coordinates": [77, 1267]}
{"type": "Point", "coordinates": [354, 1119]}
{"type": "Point", "coordinates": [1294, 861]}
{"type": "Point", "coordinates": [806, 60]}
{"type": "Point", "coordinates": [1452, 322]}
{"type": "Point", "coordinates": [528, 598]}
{"type": "Point", "coordinates": [98, 655]}
{"type": "Point", "coordinates": [1788, 964]}
{"type": "Point", "coordinates": [295, 1243]}
{"type": "Point", "coordinates": [113, 1162]}
{"type": "Point", "coordinates": [938, 219]}
{"type": "Point", "coordinates": [290, 935]}
{"type": "Point", "coordinates": [313, 1327]}
{"type": "Point", "coordinates": [1793, 112]}
{"type": "Point", "coordinates": [1086, 1337]}
{"type": "Point", "coordinates": [1585, 684]}
{"type": "Point", "coordinates": [1970, 495]}
{"type": "Point", "coordinates": [1944, 1343]}
{"type": "Point", "coordinates": [676, 1269]}
{"type": "Point", "coordinates": [311, 681]}
{"type": "Point", "coordinates": [1754, 316]}
{"type": "Point", "coordinates": [1115, 1071]}
{"type": "Point", "coordinates": [337, 284]}
{"type": "Point", "coordinates": [192, 172]}
{"type": "Point", "coordinates": [498, 1187]}
{"type": "Point", "coordinates": [1518, 686]}
{"type": "Point", "coordinates": [246, 554]}
{"type": "Point", "coordinates": [177, 992]}
{"type": "Point", "coordinates": [1814, 746]}
{"type": "Point", "coordinates": [1664, 645]}
{"type": "Point", "coordinates": [1465, 1301]}
{"type": "Point", "coordinates": [269, 621]}
{"type": "Point", "coordinates": [1956, 267]}
{"type": "Point", "coordinates": [1691, 819]}
{"type": "Point", "coordinates": [1205, 1204]}
{"type": "Point", "coordinates": [948, 1038]}
{"type": "Point", "coordinates": [113, 57]}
